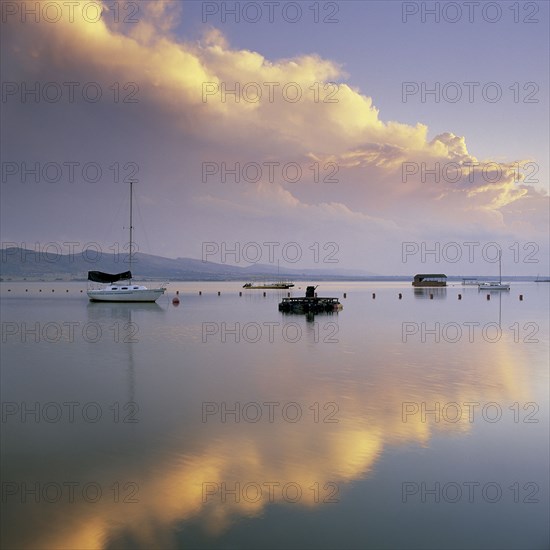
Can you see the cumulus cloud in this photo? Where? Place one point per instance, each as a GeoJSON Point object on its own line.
{"type": "Point", "coordinates": [298, 110]}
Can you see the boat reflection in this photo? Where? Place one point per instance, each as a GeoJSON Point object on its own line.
{"type": "Point", "coordinates": [426, 293]}
{"type": "Point", "coordinates": [309, 315]}
{"type": "Point", "coordinates": [120, 310]}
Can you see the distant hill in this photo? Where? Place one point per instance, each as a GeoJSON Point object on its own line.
{"type": "Point", "coordinates": [19, 263]}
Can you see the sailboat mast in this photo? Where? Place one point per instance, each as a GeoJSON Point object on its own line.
{"type": "Point", "coordinates": [500, 267]}
{"type": "Point", "coordinates": [131, 227]}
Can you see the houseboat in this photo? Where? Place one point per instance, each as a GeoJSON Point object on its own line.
{"type": "Point", "coordinates": [430, 279]}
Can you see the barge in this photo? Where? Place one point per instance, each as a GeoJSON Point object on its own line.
{"type": "Point", "coordinates": [262, 286]}
{"type": "Point", "coordinates": [310, 303]}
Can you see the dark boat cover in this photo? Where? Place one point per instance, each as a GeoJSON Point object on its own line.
{"type": "Point", "coordinates": [100, 277]}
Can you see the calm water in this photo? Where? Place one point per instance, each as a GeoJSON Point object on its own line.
{"type": "Point", "coordinates": [151, 426]}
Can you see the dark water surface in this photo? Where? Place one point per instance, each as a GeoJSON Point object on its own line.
{"type": "Point", "coordinates": [222, 423]}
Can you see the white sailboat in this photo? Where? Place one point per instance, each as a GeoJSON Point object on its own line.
{"type": "Point", "coordinates": [496, 285]}
{"type": "Point", "coordinates": [127, 292]}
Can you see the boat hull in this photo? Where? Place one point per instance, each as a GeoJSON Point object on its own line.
{"type": "Point", "coordinates": [496, 286]}
{"type": "Point", "coordinates": [310, 305]}
{"type": "Point", "coordinates": [138, 295]}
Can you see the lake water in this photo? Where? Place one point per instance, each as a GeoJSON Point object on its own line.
{"type": "Point", "coordinates": [222, 423]}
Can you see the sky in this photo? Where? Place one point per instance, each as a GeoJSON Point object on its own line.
{"type": "Point", "coordinates": [390, 137]}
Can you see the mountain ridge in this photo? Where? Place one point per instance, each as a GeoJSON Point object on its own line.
{"type": "Point", "coordinates": [27, 263]}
